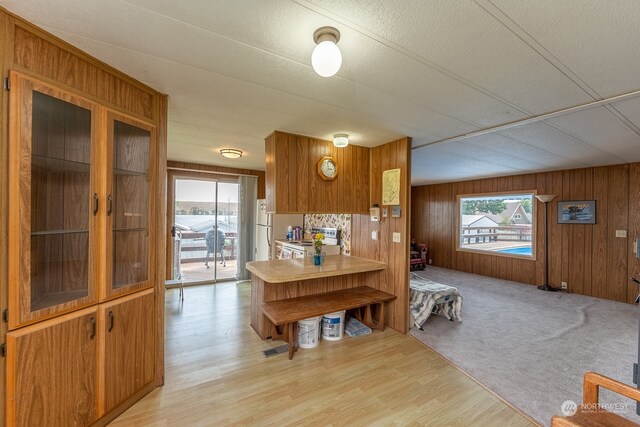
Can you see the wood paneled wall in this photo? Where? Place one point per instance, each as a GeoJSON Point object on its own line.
{"type": "Point", "coordinates": [34, 52]}
{"type": "Point", "coordinates": [395, 279]}
{"type": "Point", "coordinates": [590, 258]}
{"type": "Point", "coordinates": [293, 183]}
{"type": "Point", "coordinates": [224, 172]}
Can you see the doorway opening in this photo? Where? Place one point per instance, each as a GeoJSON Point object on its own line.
{"type": "Point", "coordinates": [205, 230]}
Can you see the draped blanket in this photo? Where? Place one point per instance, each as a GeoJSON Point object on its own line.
{"type": "Point", "coordinates": [428, 297]}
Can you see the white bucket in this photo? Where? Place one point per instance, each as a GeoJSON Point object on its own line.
{"type": "Point", "coordinates": [309, 332]}
{"type": "Point", "coordinates": [333, 326]}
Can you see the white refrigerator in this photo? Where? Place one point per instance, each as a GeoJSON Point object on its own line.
{"type": "Point", "coordinates": [270, 227]}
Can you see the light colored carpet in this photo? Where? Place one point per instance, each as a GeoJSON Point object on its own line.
{"type": "Point", "coordinates": [531, 347]}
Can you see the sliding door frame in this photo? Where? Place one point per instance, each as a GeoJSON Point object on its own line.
{"type": "Point", "coordinates": [172, 177]}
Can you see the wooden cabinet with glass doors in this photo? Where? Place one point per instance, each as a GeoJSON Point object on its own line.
{"type": "Point", "coordinates": [80, 221]}
{"type": "Point", "coordinates": [81, 179]}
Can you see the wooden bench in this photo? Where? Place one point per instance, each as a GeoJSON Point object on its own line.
{"type": "Point", "coordinates": [288, 312]}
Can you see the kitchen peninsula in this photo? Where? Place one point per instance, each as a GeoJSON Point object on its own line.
{"type": "Point", "coordinates": [277, 280]}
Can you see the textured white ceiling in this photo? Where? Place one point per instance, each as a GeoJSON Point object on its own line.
{"type": "Point", "coordinates": [237, 70]}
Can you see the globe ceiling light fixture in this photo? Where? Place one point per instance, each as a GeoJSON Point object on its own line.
{"type": "Point", "coordinates": [340, 140]}
{"type": "Point", "coordinates": [326, 58]}
{"type": "Point", "coordinates": [231, 153]}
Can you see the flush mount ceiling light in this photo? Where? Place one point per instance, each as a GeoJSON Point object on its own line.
{"type": "Point", "coordinates": [231, 153]}
{"type": "Point", "coordinates": [326, 58]}
{"type": "Point", "coordinates": [340, 140]}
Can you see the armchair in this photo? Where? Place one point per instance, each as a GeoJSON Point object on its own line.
{"type": "Point", "coordinates": [418, 256]}
{"type": "Point", "coordinates": [590, 413]}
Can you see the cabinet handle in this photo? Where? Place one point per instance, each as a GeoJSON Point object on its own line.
{"type": "Point", "coordinates": [109, 205]}
{"type": "Point", "coordinates": [111, 317]}
{"type": "Point", "coordinates": [93, 328]}
{"type": "Point", "coordinates": [95, 203]}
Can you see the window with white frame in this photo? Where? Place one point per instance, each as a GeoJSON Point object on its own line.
{"type": "Point", "coordinates": [502, 224]}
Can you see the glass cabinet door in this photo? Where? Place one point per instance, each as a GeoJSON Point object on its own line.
{"type": "Point", "coordinates": [129, 203]}
{"type": "Point", "coordinates": [51, 224]}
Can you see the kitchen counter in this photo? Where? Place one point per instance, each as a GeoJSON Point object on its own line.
{"type": "Point", "coordinates": [291, 270]}
{"type": "Point", "coordinates": [290, 278]}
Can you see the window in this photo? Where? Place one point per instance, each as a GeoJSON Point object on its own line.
{"type": "Point", "coordinates": [501, 224]}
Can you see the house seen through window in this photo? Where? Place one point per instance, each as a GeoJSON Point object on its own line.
{"type": "Point", "coordinates": [501, 224]}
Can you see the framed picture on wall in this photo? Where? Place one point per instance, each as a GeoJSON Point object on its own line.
{"type": "Point", "coordinates": [577, 212]}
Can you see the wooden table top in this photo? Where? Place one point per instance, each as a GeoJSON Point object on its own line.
{"type": "Point", "coordinates": [291, 270]}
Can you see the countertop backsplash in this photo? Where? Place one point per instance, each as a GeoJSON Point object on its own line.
{"type": "Point", "coordinates": [341, 221]}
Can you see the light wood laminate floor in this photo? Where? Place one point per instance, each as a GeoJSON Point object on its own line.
{"type": "Point", "coordinates": [216, 375]}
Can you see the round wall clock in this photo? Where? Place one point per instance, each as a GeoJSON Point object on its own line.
{"type": "Point", "coordinates": [328, 168]}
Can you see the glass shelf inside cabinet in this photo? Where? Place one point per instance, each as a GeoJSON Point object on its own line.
{"type": "Point", "coordinates": [60, 201]}
{"type": "Point", "coordinates": [59, 165]}
{"type": "Point", "coordinates": [57, 298]}
{"type": "Point", "coordinates": [130, 173]}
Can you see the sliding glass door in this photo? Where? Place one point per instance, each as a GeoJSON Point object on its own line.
{"type": "Point", "coordinates": [228, 221]}
{"type": "Point", "coordinates": [205, 230]}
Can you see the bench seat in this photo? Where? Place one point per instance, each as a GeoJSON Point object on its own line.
{"type": "Point", "coordinates": [288, 312]}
